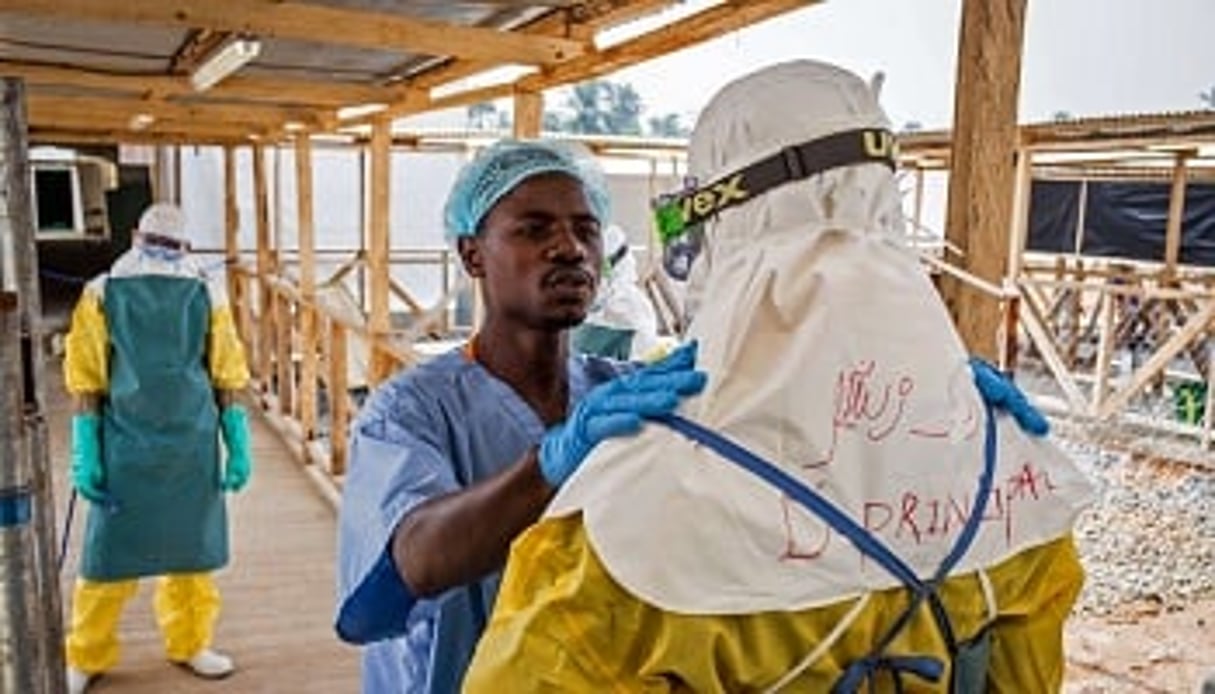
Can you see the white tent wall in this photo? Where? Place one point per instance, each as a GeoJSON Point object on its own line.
{"type": "Point", "coordinates": [420, 182]}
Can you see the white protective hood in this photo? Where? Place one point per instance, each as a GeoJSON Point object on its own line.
{"type": "Point", "coordinates": [621, 303]}
{"type": "Point", "coordinates": [830, 354]}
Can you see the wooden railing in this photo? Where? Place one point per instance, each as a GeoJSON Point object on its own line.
{"type": "Point", "coordinates": [1080, 313]}
{"type": "Point", "coordinates": [289, 335]}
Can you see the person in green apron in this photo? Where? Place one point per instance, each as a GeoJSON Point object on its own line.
{"type": "Point", "coordinates": [154, 363]}
{"type": "Point", "coordinates": [622, 323]}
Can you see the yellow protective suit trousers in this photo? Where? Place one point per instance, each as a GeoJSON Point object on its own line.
{"type": "Point", "coordinates": [186, 606]}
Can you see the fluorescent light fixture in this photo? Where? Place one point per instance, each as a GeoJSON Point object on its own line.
{"type": "Point", "coordinates": [503, 74]}
{"type": "Point", "coordinates": [230, 57]}
{"type": "Point", "coordinates": [349, 112]}
{"type": "Point", "coordinates": [617, 35]}
{"type": "Point", "coordinates": [139, 121]}
{"type": "Point", "coordinates": [51, 153]}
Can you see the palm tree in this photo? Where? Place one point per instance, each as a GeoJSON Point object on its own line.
{"type": "Point", "coordinates": [1208, 97]}
{"type": "Point", "coordinates": [600, 107]}
{"type": "Point", "coordinates": [482, 116]}
{"type": "Point", "coordinates": [668, 125]}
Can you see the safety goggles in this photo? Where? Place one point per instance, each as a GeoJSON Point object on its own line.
{"type": "Point", "coordinates": [680, 217]}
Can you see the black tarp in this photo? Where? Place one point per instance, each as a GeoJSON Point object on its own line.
{"type": "Point", "coordinates": [1122, 219]}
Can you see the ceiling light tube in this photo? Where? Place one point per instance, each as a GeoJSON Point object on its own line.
{"type": "Point", "coordinates": [230, 57]}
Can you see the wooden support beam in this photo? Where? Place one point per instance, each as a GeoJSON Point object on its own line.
{"type": "Point", "coordinates": [47, 110]}
{"type": "Point", "coordinates": [705, 25]}
{"type": "Point", "coordinates": [339, 398]}
{"type": "Point", "coordinates": [88, 133]}
{"type": "Point", "coordinates": [313, 93]}
{"type": "Point", "coordinates": [1208, 415]}
{"type": "Point", "coordinates": [232, 238]}
{"type": "Point", "coordinates": [702, 26]}
{"type": "Point", "coordinates": [265, 268]}
{"type": "Point", "coordinates": [529, 114]}
{"type": "Point", "coordinates": [582, 21]}
{"type": "Point", "coordinates": [378, 243]}
{"type": "Point", "coordinates": [1018, 236]}
{"type": "Point", "coordinates": [307, 244]}
{"type": "Point", "coordinates": [1105, 351]}
{"type": "Point", "coordinates": [284, 364]}
{"type": "Point", "coordinates": [1172, 232]}
{"type": "Point", "coordinates": [318, 24]}
{"type": "Point", "coordinates": [165, 131]}
{"type": "Point", "coordinates": [984, 143]}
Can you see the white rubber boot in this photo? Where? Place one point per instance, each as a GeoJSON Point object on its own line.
{"type": "Point", "coordinates": [210, 665]}
{"type": "Point", "coordinates": [77, 680]}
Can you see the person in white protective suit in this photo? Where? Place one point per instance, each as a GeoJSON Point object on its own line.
{"type": "Point", "coordinates": [841, 506]}
{"type": "Point", "coordinates": [621, 323]}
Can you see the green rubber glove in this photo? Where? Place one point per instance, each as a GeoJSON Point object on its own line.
{"type": "Point", "coordinates": [87, 474]}
{"type": "Point", "coordinates": [234, 424]}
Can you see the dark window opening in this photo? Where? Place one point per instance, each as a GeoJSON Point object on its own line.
{"type": "Point", "coordinates": [53, 190]}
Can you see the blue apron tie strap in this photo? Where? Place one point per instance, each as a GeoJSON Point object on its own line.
{"type": "Point", "coordinates": [868, 544]}
{"type": "Point", "coordinates": [926, 668]}
{"type": "Point", "coordinates": [794, 489]}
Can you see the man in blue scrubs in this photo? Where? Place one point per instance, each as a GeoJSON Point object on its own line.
{"type": "Point", "coordinates": [452, 459]}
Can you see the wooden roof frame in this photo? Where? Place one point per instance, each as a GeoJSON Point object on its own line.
{"type": "Point", "coordinates": [559, 44]}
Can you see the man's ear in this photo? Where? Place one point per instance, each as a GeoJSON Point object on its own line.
{"type": "Point", "coordinates": [469, 248]}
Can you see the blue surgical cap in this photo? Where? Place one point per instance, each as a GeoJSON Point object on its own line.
{"type": "Point", "coordinates": [499, 168]}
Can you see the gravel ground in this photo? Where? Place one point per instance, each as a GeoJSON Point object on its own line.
{"type": "Point", "coordinates": [1149, 539]}
{"type": "Point", "coordinates": [1145, 622]}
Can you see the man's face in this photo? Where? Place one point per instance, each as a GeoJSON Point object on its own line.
{"type": "Point", "coordinates": [538, 253]}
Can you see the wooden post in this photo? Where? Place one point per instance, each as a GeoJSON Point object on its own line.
{"type": "Point", "coordinates": [177, 175]}
{"type": "Point", "coordinates": [378, 246]}
{"type": "Point", "coordinates": [283, 361]}
{"type": "Point", "coordinates": [232, 243]}
{"type": "Point", "coordinates": [917, 215]}
{"type": "Point", "coordinates": [1105, 351]}
{"type": "Point", "coordinates": [1018, 236]}
{"type": "Point", "coordinates": [982, 173]}
{"type": "Point", "coordinates": [339, 361]}
{"type": "Point", "coordinates": [265, 267]}
{"type": "Point", "coordinates": [1172, 232]}
{"type": "Point", "coordinates": [1081, 218]}
{"type": "Point", "coordinates": [1208, 415]}
{"type": "Point", "coordinates": [160, 167]}
{"type": "Point", "coordinates": [307, 308]}
{"type": "Point", "coordinates": [529, 114]}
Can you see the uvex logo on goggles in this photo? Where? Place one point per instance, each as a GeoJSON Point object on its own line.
{"type": "Point", "coordinates": [675, 213]}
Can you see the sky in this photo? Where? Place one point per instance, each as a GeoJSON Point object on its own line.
{"type": "Point", "coordinates": [1086, 57]}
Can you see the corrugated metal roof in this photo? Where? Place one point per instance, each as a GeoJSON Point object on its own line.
{"type": "Point", "coordinates": [120, 58]}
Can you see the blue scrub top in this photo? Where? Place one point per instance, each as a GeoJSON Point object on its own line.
{"type": "Point", "coordinates": [433, 429]}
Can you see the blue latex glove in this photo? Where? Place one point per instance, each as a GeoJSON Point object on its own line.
{"type": "Point", "coordinates": [1001, 393]}
{"type": "Point", "coordinates": [88, 477]}
{"type": "Point", "coordinates": [234, 424]}
{"type": "Point", "coordinates": [616, 408]}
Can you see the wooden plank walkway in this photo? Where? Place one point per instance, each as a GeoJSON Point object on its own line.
{"type": "Point", "coordinates": [278, 592]}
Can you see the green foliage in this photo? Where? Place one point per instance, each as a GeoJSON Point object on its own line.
{"type": "Point", "coordinates": [598, 107]}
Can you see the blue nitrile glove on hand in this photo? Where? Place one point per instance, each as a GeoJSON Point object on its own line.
{"type": "Point", "coordinates": [234, 423]}
{"type": "Point", "coordinates": [616, 408]}
{"type": "Point", "coordinates": [1002, 394]}
{"type": "Point", "coordinates": [88, 477]}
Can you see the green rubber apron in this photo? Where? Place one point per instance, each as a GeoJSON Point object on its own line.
{"type": "Point", "coordinates": [600, 340]}
{"type": "Point", "coordinates": [160, 444]}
